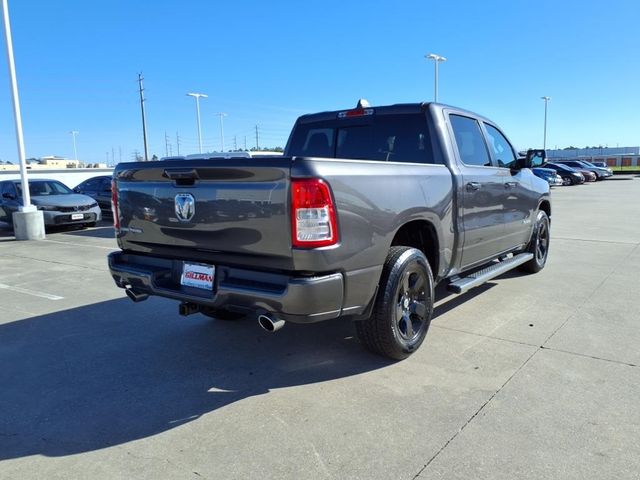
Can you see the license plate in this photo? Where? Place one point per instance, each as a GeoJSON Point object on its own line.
{"type": "Point", "coordinates": [77, 216]}
{"type": "Point", "coordinates": [198, 275]}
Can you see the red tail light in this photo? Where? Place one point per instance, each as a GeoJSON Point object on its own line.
{"type": "Point", "coordinates": [313, 214]}
{"type": "Point", "coordinates": [114, 206]}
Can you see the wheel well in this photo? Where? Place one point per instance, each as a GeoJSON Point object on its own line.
{"type": "Point", "coordinates": [546, 207]}
{"type": "Point", "coordinates": [422, 235]}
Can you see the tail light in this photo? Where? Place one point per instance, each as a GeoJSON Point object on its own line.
{"type": "Point", "coordinates": [313, 214]}
{"type": "Point", "coordinates": [114, 206]}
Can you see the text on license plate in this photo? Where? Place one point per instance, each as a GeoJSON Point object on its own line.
{"type": "Point", "coordinates": [77, 216]}
{"type": "Point", "coordinates": [198, 275]}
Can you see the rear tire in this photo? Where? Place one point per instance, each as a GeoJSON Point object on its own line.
{"type": "Point", "coordinates": [403, 306]}
{"type": "Point", "coordinates": [539, 244]}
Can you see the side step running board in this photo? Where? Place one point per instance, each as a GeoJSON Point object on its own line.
{"type": "Point", "coordinates": [476, 279]}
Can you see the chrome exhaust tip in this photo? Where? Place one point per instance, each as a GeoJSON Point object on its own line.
{"type": "Point", "coordinates": [269, 323]}
{"type": "Point", "coordinates": [136, 296]}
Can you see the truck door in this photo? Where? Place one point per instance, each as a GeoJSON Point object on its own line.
{"type": "Point", "coordinates": [519, 199]}
{"type": "Point", "coordinates": [483, 193]}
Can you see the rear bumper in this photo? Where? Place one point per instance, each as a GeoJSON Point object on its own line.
{"type": "Point", "coordinates": [295, 299]}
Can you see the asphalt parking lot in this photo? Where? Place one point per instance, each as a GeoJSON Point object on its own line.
{"type": "Point", "coordinates": [526, 377]}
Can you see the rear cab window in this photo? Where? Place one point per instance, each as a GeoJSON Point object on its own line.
{"type": "Point", "coordinates": [382, 137]}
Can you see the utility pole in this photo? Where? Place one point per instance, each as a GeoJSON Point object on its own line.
{"type": "Point", "coordinates": [75, 150]}
{"type": "Point", "coordinates": [107, 157]}
{"type": "Point", "coordinates": [221, 115]}
{"type": "Point", "coordinates": [166, 144]}
{"type": "Point", "coordinates": [546, 101]}
{"type": "Point", "coordinates": [120, 152]}
{"type": "Point", "coordinates": [178, 142]}
{"type": "Point", "coordinates": [245, 143]}
{"type": "Point", "coordinates": [113, 155]}
{"type": "Point", "coordinates": [257, 140]}
{"type": "Point", "coordinates": [235, 143]}
{"type": "Point", "coordinates": [436, 59]}
{"type": "Point", "coordinates": [144, 118]}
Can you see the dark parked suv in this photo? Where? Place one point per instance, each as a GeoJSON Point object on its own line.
{"type": "Point", "coordinates": [98, 188]}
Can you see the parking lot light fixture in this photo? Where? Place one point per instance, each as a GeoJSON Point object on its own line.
{"type": "Point", "coordinates": [197, 96]}
{"type": "Point", "coordinates": [546, 101]}
{"type": "Point", "coordinates": [436, 59]}
{"type": "Point", "coordinates": [75, 150]}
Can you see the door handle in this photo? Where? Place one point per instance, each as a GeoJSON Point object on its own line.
{"type": "Point", "coordinates": [510, 184]}
{"type": "Point", "coordinates": [472, 186]}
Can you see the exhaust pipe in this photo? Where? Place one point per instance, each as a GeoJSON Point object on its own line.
{"type": "Point", "coordinates": [269, 323]}
{"type": "Point", "coordinates": [136, 296]}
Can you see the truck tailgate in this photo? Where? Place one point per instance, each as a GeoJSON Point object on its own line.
{"type": "Point", "coordinates": [221, 208]}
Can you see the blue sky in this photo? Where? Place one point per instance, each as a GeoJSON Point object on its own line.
{"type": "Point", "coordinates": [265, 63]}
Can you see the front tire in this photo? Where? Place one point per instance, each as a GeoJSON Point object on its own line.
{"type": "Point", "coordinates": [403, 306]}
{"type": "Point", "coordinates": [539, 244]}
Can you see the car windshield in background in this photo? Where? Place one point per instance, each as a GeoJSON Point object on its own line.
{"type": "Point", "coordinates": [387, 138]}
{"type": "Point", "coordinates": [45, 187]}
{"type": "Point", "coordinates": [588, 164]}
{"type": "Point", "coordinates": [563, 167]}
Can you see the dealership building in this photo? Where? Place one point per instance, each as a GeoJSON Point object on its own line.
{"type": "Point", "coordinates": [614, 157]}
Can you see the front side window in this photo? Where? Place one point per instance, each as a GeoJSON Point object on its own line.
{"type": "Point", "coordinates": [470, 141]}
{"type": "Point", "coordinates": [501, 148]}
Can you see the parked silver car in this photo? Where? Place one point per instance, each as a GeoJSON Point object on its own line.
{"type": "Point", "coordinates": [59, 204]}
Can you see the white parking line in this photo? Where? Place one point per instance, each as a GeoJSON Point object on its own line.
{"type": "Point", "coordinates": [26, 291]}
{"type": "Point", "coordinates": [80, 244]}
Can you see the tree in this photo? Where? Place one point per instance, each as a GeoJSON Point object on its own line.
{"type": "Point", "coordinates": [154, 158]}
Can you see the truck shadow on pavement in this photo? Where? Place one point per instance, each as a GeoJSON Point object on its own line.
{"type": "Point", "coordinates": [112, 372]}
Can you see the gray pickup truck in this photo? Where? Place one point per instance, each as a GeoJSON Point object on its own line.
{"type": "Point", "coordinates": [366, 211]}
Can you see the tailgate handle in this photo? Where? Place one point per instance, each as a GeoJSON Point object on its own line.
{"type": "Point", "coordinates": [182, 174]}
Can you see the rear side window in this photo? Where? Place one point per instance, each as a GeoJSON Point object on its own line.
{"type": "Point", "coordinates": [470, 142]}
{"type": "Point", "coordinates": [502, 151]}
{"type": "Point", "coordinates": [387, 138]}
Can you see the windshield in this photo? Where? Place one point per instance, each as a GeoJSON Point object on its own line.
{"type": "Point", "coordinates": [563, 167]}
{"type": "Point", "coordinates": [45, 187]}
{"type": "Point", "coordinates": [588, 164]}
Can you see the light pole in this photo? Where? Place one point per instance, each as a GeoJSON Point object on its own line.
{"type": "Point", "coordinates": [546, 101]}
{"type": "Point", "coordinates": [28, 221]}
{"type": "Point", "coordinates": [75, 151]}
{"type": "Point", "coordinates": [221, 115]}
{"type": "Point", "coordinates": [436, 59]}
{"type": "Point", "coordinates": [197, 97]}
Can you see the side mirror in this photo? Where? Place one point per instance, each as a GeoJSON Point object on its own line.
{"type": "Point", "coordinates": [77, 190]}
{"type": "Point", "coordinates": [10, 196]}
{"type": "Point", "coordinates": [535, 158]}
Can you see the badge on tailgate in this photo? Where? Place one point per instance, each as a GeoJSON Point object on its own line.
{"type": "Point", "coordinates": [185, 206]}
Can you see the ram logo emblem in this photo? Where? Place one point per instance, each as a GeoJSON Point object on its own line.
{"type": "Point", "coordinates": [185, 206]}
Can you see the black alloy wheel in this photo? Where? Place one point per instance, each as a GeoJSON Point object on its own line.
{"type": "Point", "coordinates": [403, 306]}
{"type": "Point", "coordinates": [539, 244]}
